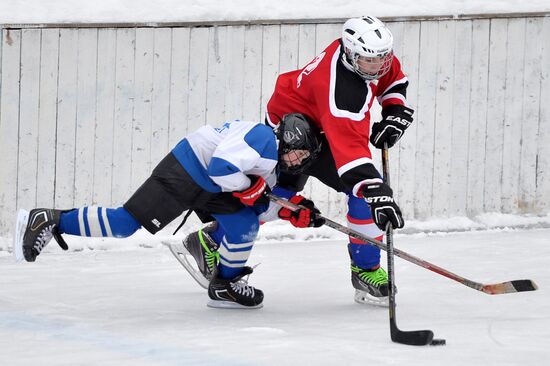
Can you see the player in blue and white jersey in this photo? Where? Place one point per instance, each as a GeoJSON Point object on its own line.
{"type": "Point", "coordinates": [223, 172]}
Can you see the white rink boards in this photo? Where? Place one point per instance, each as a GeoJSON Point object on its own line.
{"type": "Point", "coordinates": [85, 114]}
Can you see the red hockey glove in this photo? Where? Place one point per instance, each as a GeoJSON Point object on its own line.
{"type": "Point", "coordinates": [255, 195]}
{"type": "Point", "coordinates": [305, 217]}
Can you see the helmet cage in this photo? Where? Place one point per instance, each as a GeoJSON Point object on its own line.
{"type": "Point", "coordinates": [296, 133]}
{"type": "Point", "coordinates": [385, 62]}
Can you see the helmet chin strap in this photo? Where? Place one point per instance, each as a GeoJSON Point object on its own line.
{"type": "Point", "coordinates": [346, 62]}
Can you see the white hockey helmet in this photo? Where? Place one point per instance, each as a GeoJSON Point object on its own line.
{"type": "Point", "coordinates": [368, 47]}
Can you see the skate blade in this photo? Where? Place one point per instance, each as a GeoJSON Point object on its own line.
{"type": "Point", "coordinates": [363, 297]}
{"type": "Point", "coordinates": [186, 260]}
{"type": "Point", "coordinates": [219, 304]}
{"type": "Point", "coordinates": [20, 226]}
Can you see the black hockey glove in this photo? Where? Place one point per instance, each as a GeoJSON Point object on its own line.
{"type": "Point", "coordinates": [395, 120]}
{"type": "Point", "coordinates": [379, 196]}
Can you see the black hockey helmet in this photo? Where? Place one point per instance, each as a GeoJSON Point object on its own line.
{"type": "Point", "coordinates": [295, 132]}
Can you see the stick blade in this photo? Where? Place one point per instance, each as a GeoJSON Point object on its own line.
{"type": "Point", "coordinates": [413, 337]}
{"type": "Point", "coordinates": [510, 287]}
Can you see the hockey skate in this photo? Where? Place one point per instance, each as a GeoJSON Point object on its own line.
{"type": "Point", "coordinates": [234, 293]}
{"type": "Point", "coordinates": [198, 254]}
{"type": "Point", "coordinates": [34, 230]}
{"type": "Point", "coordinates": [371, 286]}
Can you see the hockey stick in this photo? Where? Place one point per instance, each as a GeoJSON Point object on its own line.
{"type": "Point", "coordinates": [411, 337]}
{"type": "Point", "coordinates": [491, 289]}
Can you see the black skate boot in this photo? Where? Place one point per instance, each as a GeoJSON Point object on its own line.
{"type": "Point", "coordinates": [371, 285]}
{"type": "Point", "coordinates": [234, 293]}
{"type": "Point", "coordinates": [203, 250]}
{"type": "Point", "coordinates": [41, 227]}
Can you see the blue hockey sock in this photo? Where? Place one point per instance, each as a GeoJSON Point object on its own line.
{"type": "Point", "coordinates": [237, 243]}
{"type": "Point", "coordinates": [364, 256]}
{"type": "Point", "coordinates": [228, 272]}
{"type": "Point", "coordinates": [359, 218]}
{"type": "Point", "coordinates": [217, 234]}
{"type": "Point", "coordinates": [98, 222]}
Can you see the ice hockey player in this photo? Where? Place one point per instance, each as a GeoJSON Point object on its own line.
{"type": "Point", "coordinates": [225, 172]}
{"type": "Point", "coordinates": [336, 91]}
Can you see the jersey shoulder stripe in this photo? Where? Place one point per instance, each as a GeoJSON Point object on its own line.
{"type": "Point", "coordinates": [262, 139]}
{"type": "Point", "coordinates": [219, 167]}
{"type": "Point", "coordinates": [188, 159]}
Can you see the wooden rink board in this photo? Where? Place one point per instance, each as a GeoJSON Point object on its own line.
{"type": "Point", "coordinates": [85, 114]}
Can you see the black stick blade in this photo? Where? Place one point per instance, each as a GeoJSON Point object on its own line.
{"type": "Point", "coordinates": [524, 285]}
{"type": "Point", "coordinates": [412, 337]}
{"type": "Point", "coordinates": [510, 287]}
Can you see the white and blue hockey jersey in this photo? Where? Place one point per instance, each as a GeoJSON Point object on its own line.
{"type": "Point", "coordinates": [219, 159]}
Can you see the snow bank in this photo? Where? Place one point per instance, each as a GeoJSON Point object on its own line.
{"type": "Point", "coordinates": [139, 11]}
{"type": "Point", "coordinates": [280, 231]}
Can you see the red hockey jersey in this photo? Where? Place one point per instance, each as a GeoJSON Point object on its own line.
{"type": "Point", "coordinates": [339, 102]}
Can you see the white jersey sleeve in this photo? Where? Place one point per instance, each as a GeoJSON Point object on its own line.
{"type": "Point", "coordinates": [220, 159]}
{"type": "Point", "coordinates": [247, 149]}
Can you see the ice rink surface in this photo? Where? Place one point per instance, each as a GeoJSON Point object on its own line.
{"type": "Point", "coordinates": [139, 307]}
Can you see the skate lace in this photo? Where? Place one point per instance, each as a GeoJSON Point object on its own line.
{"type": "Point", "coordinates": [376, 278]}
{"type": "Point", "coordinates": [43, 238]}
{"type": "Point", "coordinates": [212, 259]}
{"type": "Point", "coordinates": [211, 256]}
{"type": "Point", "coordinates": [241, 287]}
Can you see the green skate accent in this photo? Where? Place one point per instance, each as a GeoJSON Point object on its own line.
{"type": "Point", "coordinates": [376, 278]}
{"type": "Point", "coordinates": [212, 258]}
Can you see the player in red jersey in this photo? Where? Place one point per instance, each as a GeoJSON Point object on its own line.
{"type": "Point", "coordinates": [336, 91]}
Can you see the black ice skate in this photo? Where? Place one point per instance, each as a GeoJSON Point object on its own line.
{"type": "Point", "coordinates": [203, 249]}
{"type": "Point", "coordinates": [371, 286]}
{"type": "Point", "coordinates": [234, 293]}
{"type": "Point", "coordinates": [35, 230]}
